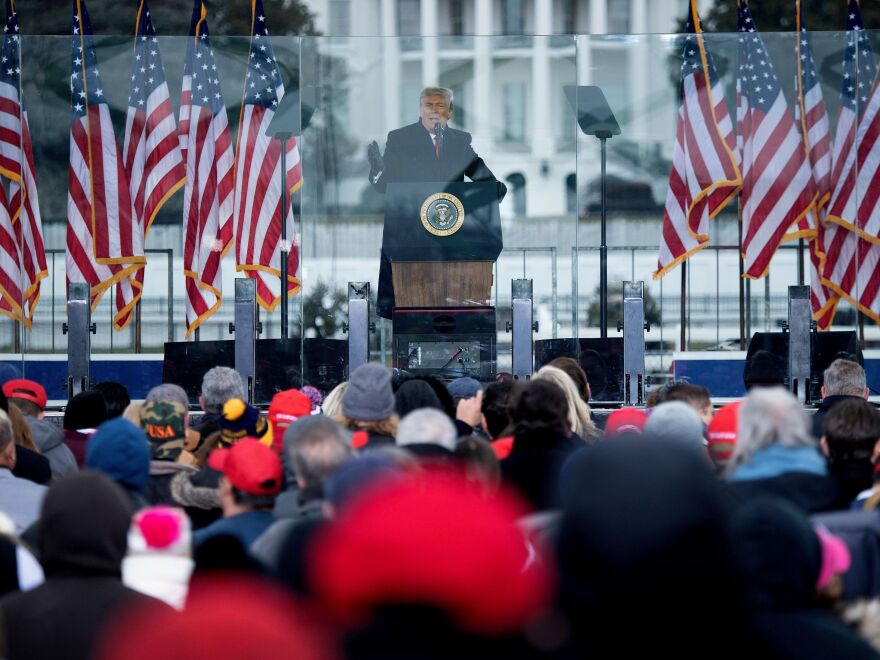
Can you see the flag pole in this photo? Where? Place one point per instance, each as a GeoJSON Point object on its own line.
{"type": "Point", "coordinates": [800, 260]}
{"type": "Point", "coordinates": [137, 326]}
{"type": "Point", "coordinates": [683, 305]}
{"type": "Point", "coordinates": [742, 287]}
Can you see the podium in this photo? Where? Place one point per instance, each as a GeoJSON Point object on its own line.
{"type": "Point", "coordinates": [442, 242]}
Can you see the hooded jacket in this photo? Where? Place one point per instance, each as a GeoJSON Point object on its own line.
{"type": "Point", "coordinates": [780, 556]}
{"type": "Point", "coordinates": [82, 542]}
{"type": "Point", "coordinates": [50, 441]}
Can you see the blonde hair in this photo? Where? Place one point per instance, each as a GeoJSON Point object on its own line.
{"type": "Point", "coordinates": [21, 431]}
{"type": "Point", "coordinates": [133, 411]}
{"type": "Point", "coordinates": [578, 409]}
{"type": "Point", "coordinates": [332, 405]}
{"type": "Point", "coordinates": [387, 426]}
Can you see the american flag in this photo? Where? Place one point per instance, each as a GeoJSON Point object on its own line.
{"type": "Point", "coordinates": [152, 153]}
{"type": "Point", "coordinates": [704, 176]}
{"type": "Point", "coordinates": [104, 245]}
{"type": "Point", "coordinates": [258, 170]}
{"type": "Point", "coordinates": [28, 267]}
{"type": "Point", "coordinates": [778, 188]}
{"type": "Point", "coordinates": [815, 128]}
{"type": "Point", "coordinates": [206, 146]}
{"type": "Point", "coordinates": [851, 263]}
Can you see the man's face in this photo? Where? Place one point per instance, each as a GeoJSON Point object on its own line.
{"type": "Point", "coordinates": [434, 109]}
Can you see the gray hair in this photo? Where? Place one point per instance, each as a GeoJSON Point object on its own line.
{"type": "Point", "coordinates": [168, 392]}
{"type": "Point", "coordinates": [844, 377]}
{"type": "Point", "coordinates": [769, 415]}
{"type": "Point", "coordinates": [218, 386]}
{"type": "Point", "coordinates": [445, 92]}
{"type": "Point", "coordinates": [6, 435]}
{"type": "Point", "coordinates": [314, 447]}
{"type": "Point", "coordinates": [427, 426]}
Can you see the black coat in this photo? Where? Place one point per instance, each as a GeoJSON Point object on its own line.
{"type": "Point", "coordinates": [82, 541]}
{"type": "Point", "coordinates": [410, 158]}
{"type": "Point", "coordinates": [827, 404]}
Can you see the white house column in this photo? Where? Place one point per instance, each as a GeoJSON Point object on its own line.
{"type": "Point", "coordinates": [390, 63]}
{"type": "Point", "coordinates": [543, 97]}
{"type": "Point", "coordinates": [639, 86]}
{"type": "Point", "coordinates": [598, 16]}
{"type": "Point", "coordinates": [430, 65]}
{"type": "Point", "coordinates": [481, 105]}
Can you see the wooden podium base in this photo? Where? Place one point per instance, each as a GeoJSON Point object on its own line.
{"type": "Point", "coordinates": [442, 283]}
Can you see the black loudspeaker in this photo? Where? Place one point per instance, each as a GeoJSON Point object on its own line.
{"type": "Point", "coordinates": [767, 357]}
{"type": "Point", "coordinates": [446, 343]}
{"type": "Point", "coordinates": [601, 359]}
{"type": "Point", "coordinates": [278, 365]}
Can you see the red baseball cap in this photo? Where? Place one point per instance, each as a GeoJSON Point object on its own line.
{"type": "Point", "coordinates": [722, 431]}
{"type": "Point", "coordinates": [287, 407]}
{"type": "Point", "coordinates": [21, 388]}
{"type": "Point", "coordinates": [625, 420]}
{"type": "Point", "coordinates": [250, 466]}
{"type": "Point", "coordinates": [431, 539]}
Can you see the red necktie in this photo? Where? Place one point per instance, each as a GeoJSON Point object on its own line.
{"type": "Point", "coordinates": [437, 147]}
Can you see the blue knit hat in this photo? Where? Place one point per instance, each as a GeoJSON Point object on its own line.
{"type": "Point", "coordinates": [120, 450]}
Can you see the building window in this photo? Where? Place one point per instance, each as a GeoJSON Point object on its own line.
{"type": "Point", "coordinates": [513, 17]}
{"type": "Point", "coordinates": [340, 18]}
{"type": "Point", "coordinates": [456, 18]}
{"type": "Point", "coordinates": [408, 17]}
{"type": "Point", "coordinates": [517, 186]}
{"type": "Point", "coordinates": [571, 193]}
{"type": "Point", "coordinates": [618, 16]}
{"type": "Point", "coordinates": [514, 112]}
{"type": "Point", "coordinates": [569, 16]}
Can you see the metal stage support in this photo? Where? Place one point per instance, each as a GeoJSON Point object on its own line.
{"type": "Point", "coordinates": [246, 328]}
{"type": "Point", "coordinates": [79, 329]}
{"type": "Point", "coordinates": [633, 326]}
{"type": "Point", "coordinates": [522, 326]}
{"type": "Point", "coordinates": [358, 326]}
{"type": "Point", "coordinates": [799, 327]}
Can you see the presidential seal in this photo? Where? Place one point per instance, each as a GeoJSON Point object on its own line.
{"type": "Point", "coordinates": [442, 214]}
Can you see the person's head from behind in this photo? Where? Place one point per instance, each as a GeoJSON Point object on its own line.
{"type": "Point", "coordinates": [676, 422]}
{"type": "Point", "coordinates": [540, 413]}
{"type": "Point", "coordinates": [83, 526]}
{"type": "Point", "coordinates": [763, 369]}
{"type": "Point", "coordinates": [169, 392]}
{"type": "Point", "coordinates": [578, 411]}
{"type": "Point", "coordinates": [576, 373]}
{"type": "Point", "coordinates": [769, 416]}
{"type": "Point", "coordinates": [315, 447]}
{"type": "Point", "coordinates": [219, 385]}
{"type": "Point", "coordinates": [120, 450]}
{"type": "Point", "coordinates": [479, 463]}
{"type": "Point", "coordinates": [844, 378]}
{"type": "Point", "coordinates": [28, 395]}
{"type": "Point", "coordinates": [696, 396]}
{"type": "Point", "coordinates": [115, 396]}
{"type": "Point", "coordinates": [850, 434]}
{"type": "Point", "coordinates": [427, 426]}
{"type": "Point", "coordinates": [86, 410]}
{"type": "Point", "coordinates": [251, 476]}
{"type": "Point", "coordinates": [643, 522]}
{"type": "Point", "coordinates": [497, 403]}
{"type": "Point", "coordinates": [368, 401]}
{"type": "Point", "coordinates": [7, 442]}
{"type": "Point", "coordinates": [435, 106]}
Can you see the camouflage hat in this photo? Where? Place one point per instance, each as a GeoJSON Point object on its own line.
{"type": "Point", "coordinates": [164, 422]}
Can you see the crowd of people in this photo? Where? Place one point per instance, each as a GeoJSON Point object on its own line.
{"type": "Point", "coordinates": [402, 517]}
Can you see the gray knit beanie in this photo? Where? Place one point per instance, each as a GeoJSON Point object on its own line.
{"type": "Point", "coordinates": [675, 421]}
{"type": "Point", "coordinates": [369, 395]}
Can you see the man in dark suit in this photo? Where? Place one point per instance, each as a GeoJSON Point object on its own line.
{"type": "Point", "coordinates": [426, 151]}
